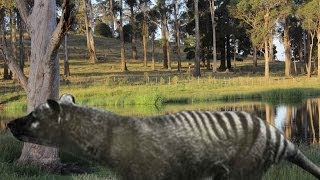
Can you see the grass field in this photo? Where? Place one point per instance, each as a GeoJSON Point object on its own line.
{"type": "Point", "coordinates": [103, 84]}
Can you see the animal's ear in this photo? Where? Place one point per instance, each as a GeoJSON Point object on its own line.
{"type": "Point", "coordinates": [54, 105]}
{"type": "Point", "coordinates": [67, 98]}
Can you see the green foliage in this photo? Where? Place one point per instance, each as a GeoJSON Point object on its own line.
{"type": "Point", "coordinates": [103, 29]}
{"type": "Point", "coordinates": [127, 33]}
{"type": "Point", "coordinates": [310, 15]}
{"type": "Point", "coordinates": [190, 44]}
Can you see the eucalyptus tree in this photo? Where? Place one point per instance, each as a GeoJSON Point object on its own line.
{"type": "Point", "coordinates": [106, 10]}
{"type": "Point", "coordinates": [144, 6]}
{"type": "Point", "coordinates": [310, 16]}
{"type": "Point", "coordinates": [88, 17]}
{"type": "Point", "coordinates": [261, 16]}
{"type": "Point", "coordinates": [132, 4]}
{"type": "Point", "coordinates": [176, 13]}
{"type": "Point", "coordinates": [7, 6]}
{"type": "Point", "coordinates": [42, 83]}
{"type": "Point", "coordinates": [196, 71]}
{"type": "Point", "coordinates": [214, 47]}
{"type": "Point", "coordinates": [163, 10]}
{"type": "Point", "coordinates": [122, 48]}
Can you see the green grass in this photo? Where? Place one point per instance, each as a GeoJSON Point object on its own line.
{"type": "Point", "coordinates": [286, 171]}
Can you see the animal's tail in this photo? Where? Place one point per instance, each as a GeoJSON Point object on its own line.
{"type": "Point", "coordinates": [298, 158]}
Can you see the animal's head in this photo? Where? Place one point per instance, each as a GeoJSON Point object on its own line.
{"type": "Point", "coordinates": [42, 124]}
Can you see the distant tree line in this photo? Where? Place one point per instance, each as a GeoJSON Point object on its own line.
{"type": "Point", "coordinates": [228, 29]}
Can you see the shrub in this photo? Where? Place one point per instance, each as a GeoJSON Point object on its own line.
{"type": "Point", "coordinates": [103, 29]}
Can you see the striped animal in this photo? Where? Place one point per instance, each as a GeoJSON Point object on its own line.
{"type": "Point", "coordinates": [182, 145]}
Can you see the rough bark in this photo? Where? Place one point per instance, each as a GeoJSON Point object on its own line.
{"type": "Point", "coordinates": [43, 82]}
{"type": "Point", "coordinates": [214, 47]}
{"type": "Point", "coordinates": [196, 71]}
{"type": "Point", "coordinates": [286, 43]}
{"type": "Point", "coordinates": [88, 18]}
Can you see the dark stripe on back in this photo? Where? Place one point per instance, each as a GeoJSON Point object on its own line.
{"type": "Point", "coordinates": [256, 130]}
{"type": "Point", "coordinates": [267, 149]}
{"type": "Point", "coordinates": [222, 124]}
{"type": "Point", "coordinates": [277, 146]}
{"type": "Point", "coordinates": [232, 123]}
{"type": "Point", "coordinates": [187, 119]}
{"type": "Point", "coordinates": [196, 120]}
{"type": "Point", "coordinates": [243, 148]}
{"type": "Point", "coordinates": [283, 151]}
{"type": "Point", "coordinates": [205, 125]}
{"type": "Point", "coordinates": [214, 127]}
{"type": "Point", "coordinates": [173, 119]}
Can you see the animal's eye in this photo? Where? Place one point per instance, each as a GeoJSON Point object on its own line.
{"type": "Point", "coordinates": [33, 114]}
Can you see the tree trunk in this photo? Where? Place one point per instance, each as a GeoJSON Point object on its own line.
{"type": "Point", "coordinates": [286, 43]}
{"type": "Point", "coordinates": [214, 46]}
{"type": "Point", "coordinates": [310, 53]}
{"type": "Point", "coordinates": [153, 60]}
{"type": "Point", "coordinates": [266, 46]}
{"type": "Point", "coordinates": [66, 57]}
{"type": "Point", "coordinates": [271, 53]}
{"type": "Point", "coordinates": [43, 82]}
{"type": "Point", "coordinates": [6, 74]}
{"type": "Point", "coordinates": [43, 77]}
{"type": "Point", "coordinates": [228, 53]}
{"type": "Point", "coordinates": [266, 59]}
{"type": "Point", "coordinates": [88, 18]}
{"type": "Point", "coordinates": [133, 40]}
{"type": "Point", "coordinates": [144, 39]}
{"type": "Point", "coordinates": [223, 58]}
{"type": "Point", "coordinates": [13, 34]}
{"type": "Point", "coordinates": [122, 50]}
{"type": "Point", "coordinates": [318, 37]}
{"type": "Point", "coordinates": [167, 42]}
{"type": "Point", "coordinates": [21, 42]}
{"type": "Point", "coordinates": [177, 29]}
{"type": "Point", "coordinates": [111, 9]}
{"type": "Point", "coordinates": [164, 41]}
{"type": "Point", "coordinates": [196, 71]}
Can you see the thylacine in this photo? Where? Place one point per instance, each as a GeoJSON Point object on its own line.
{"type": "Point", "coordinates": [183, 145]}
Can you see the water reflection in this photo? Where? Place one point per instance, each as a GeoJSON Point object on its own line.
{"type": "Point", "coordinates": [300, 123]}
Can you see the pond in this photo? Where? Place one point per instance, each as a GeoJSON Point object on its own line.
{"type": "Point", "coordinates": [299, 122]}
